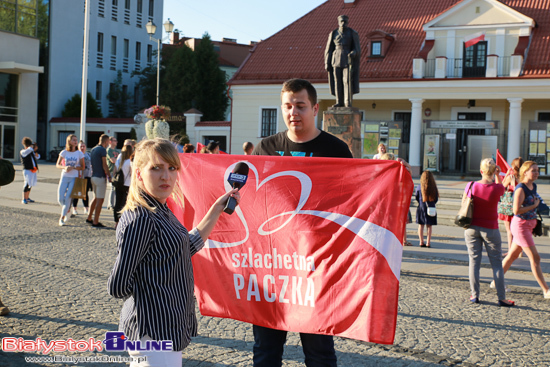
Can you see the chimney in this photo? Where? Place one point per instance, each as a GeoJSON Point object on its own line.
{"type": "Point", "coordinates": [174, 37]}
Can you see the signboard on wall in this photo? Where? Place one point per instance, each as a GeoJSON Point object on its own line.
{"type": "Point", "coordinates": [462, 124]}
{"type": "Point", "coordinates": [431, 152]}
{"type": "Point", "coordinates": [385, 132]}
{"type": "Point", "coordinates": [539, 145]}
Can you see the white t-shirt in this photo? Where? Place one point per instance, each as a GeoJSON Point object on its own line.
{"type": "Point", "coordinates": [126, 170]}
{"type": "Point", "coordinates": [72, 159]}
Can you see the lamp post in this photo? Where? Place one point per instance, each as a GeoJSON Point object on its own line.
{"type": "Point", "coordinates": [151, 30]}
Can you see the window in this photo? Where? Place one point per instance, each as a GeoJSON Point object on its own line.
{"type": "Point", "coordinates": [544, 116]}
{"type": "Point", "coordinates": [62, 137]}
{"type": "Point", "coordinates": [149, 53]}
{"type": "Point", "coordinates": [113, 45]}
{"type": "Point", "coordinates": [138, 50]}
{"type": "Point", "coordinates": [151, 8]}
{"type": "Point", "coordinates": [101, 9]}
{"type": "Point", "coordinates": [115, 2]}
{"type": "Point", "coordinates": [269, 121]}
{"type": "Point", "coordinates": [98, 86]}
{"type": "Point", "coordinates": [376, 48]}
{"type": "Point", "coordinates": [126, 48]}
{"type": "Point", "coordinates": [99, 42]}
{"type": "Point", "coordinates": [127, 5]}
{"type": "Point", "coordinates": [140, 6]}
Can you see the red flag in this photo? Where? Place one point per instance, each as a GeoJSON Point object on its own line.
{"type": "Point", "coordinates": [501, 162]}
{"type": "Point", "coordinates": [199, 147]}
{"type": "Point", "coordinates": [473, 39]}
{"type": "Point", "coordinates": [308, 249]}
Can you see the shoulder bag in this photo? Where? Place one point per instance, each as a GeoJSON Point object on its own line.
{"type": "Point", "coordinates": [465, 214]}
{"type": "Point", "coordinates": [118, 180]}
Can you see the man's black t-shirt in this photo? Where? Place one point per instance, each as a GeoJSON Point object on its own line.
{"type": "Point", "coordinates": [324, 145]}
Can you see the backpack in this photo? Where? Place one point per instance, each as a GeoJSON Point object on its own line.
{"type": "Point", "coordinates": [118, 180]}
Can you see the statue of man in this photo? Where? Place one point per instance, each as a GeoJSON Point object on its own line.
{"type": "Point", "coordinates": [342, 58]}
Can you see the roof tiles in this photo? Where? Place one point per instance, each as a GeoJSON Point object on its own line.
{"type": "Point", "coordinates": [298, 49]}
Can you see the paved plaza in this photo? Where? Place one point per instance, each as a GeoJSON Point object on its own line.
{"type": "Point", "coordinates": [53, 279]}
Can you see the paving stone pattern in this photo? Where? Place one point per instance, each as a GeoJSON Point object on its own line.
{"type": "Point", "coordinates": [53, 279]}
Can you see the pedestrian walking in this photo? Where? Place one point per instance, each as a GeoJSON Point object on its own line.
{"type": "Point", "coordinates": [524, 221]}
{"type": "Point", "coordinates": [29, 160]}
{"type": "Point", "coordinates": [153, 271]}
{"type": "Point", "coordinates": [100, 176]}
{"type": "Point", "coordinates": [426, 195]}
{"type": "Point", "coordinates": [486, 194]}
{"type": "Point", "coordinates": [112, 154]}
{"type": "Point", "coordinates": [121, 191]}
{"type": "Point", "coordinates": [71, 162]}
{"type": "Point", "coordinates": [87, 175]}
{"type": "Point", "coordinates": [505, 206]}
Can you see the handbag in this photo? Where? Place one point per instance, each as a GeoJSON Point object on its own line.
{"type": "Point", "coordinates": [506, 204]}
{"type": "Point", "coordinates": [79, 188]}
{"type": "Point", "coordinates": [118, 180]}
{"type": "Point", "coordinates": [537, 231]}
{"type": "Point", "coordinates": [432, 212]}
{"type": "Point", "coordinates": [465, 214]}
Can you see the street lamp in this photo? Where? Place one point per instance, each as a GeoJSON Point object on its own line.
{"type": "Point", "coordinates": [151, 30]}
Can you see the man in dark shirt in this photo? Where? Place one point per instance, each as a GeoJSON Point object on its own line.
{"type": "Point", "coordinates": [100, 176]}
{"type": "Point", "coordinates": [302, 139]}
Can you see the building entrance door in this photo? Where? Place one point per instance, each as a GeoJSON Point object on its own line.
{"type": "Point", "coordinates": [7, 141]}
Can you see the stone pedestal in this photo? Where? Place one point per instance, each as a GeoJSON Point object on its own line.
{"type": "Point", "coordinates": [345, 123]}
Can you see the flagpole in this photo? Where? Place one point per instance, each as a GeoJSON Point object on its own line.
{"type": "Point", "coordinates": [84, 93]}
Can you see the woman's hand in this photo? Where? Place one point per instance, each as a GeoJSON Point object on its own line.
{"type": "Point", "coordinates": [207, 224]}
{"type": "Point", "coordinates": [222, 200]}
{"type": "Point", "coordinates": [497, 170]}
{"type": "Point", "coordinates": [536, 202]}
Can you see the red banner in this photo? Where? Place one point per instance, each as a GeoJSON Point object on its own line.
{"type": "Point", "coordinates": [501, 162]}
{"type": "Point", "coordinates": [315, 245]}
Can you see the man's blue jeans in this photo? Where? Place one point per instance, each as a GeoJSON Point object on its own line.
{"type": "Point", "coordinates": [269, 344]}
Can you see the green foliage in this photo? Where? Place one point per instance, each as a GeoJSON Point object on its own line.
{"type": "Point", "coordinates": [119, 97]}
{"type": "Point", "coordinates": [179, 85]}
{"type": "Point", "coordinates": [211, 89]}
{"type": "Point", "coordinates": [133, 134]}
{"type": "Point", "coordinates": [72, 107]}
{"type": "Point", "coordinates": [147, 85]}
{"type": "Point", "coordinates": [189, 79]}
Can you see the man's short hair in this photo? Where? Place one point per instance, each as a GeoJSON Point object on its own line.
{"type": "Point", "coordinates": [296, 85]}
{"type": "Point", "coordinates": [343, 16]}
{"type": "Point", "coordinates": [103, 138]}
{"type": "Point", "coordinates": [111, 138]}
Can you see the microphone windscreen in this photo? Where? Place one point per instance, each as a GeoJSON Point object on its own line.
{"type": "Point", "coordinates": [241, 168]}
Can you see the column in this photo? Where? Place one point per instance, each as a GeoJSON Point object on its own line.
{"type": "Point", "coordinates": [514, 129]}
{"type": "Point", "coordinates": [416, 135]}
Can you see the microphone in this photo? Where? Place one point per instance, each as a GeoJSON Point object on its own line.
{"type": "Point", "coordinates": [236, 179]}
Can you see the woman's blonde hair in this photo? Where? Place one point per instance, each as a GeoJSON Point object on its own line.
{"type": "Point", "coordinates": [388, 156]}
{"type": "Point", "coordinates": [145, 152]}
{"type": "Point", "coordinates": [428, 187]}
{"type": "Point", "coordinates": [524, 168]}
{"type": "Point", "coordinates": [488, 167]}
{"type": "Point", "coordinates": [68, 147]}
{"type": "Point", "coordinates": [382, 145]}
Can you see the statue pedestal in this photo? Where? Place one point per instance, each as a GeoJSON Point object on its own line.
{"type": "Point", "coordinates": [345, 123]}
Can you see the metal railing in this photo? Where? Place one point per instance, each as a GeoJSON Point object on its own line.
{"type": "Point", "coordinates": [455, 69]}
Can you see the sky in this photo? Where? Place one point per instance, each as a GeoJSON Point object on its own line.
{"type": "Point", "coordinates": [244, 20]}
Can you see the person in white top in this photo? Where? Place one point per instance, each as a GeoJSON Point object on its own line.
{"type": "Point", "coordinates": [30, 167]}
{"type": "Point", "coordinates": [71, 161]}
{"type": "Point", "coordinates": [121, 192]}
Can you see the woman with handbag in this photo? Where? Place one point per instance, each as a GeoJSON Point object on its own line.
{"type": "Point", "coordinates": [483, 230]}
{"type": "Point", "coordinates": [526, 202]}
{"type": "Point", "coordinates": [426, 195]}
{"type": "Point", "coordinates": [505, 206]}
{"type": "Point", "coordinates": [121, 190]}
{"type": "Point", "coordinates": [71, 161]}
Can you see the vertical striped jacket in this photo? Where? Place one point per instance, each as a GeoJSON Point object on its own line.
{"type": "Point", "coordinates": [154, 275]}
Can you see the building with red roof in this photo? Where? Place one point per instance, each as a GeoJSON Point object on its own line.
{"type": "Point", "coordinates": [432, 100]}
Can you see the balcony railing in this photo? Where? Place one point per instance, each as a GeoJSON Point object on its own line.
{"type": "Point", "coordinates": [455, 69]}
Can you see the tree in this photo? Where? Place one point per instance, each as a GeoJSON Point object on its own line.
{"type": "Point", "coordinates": [118, 98]}
{"type": "Point", "coordinates": [179, 85]}
{"type": "Point", "coordinates": [73, 107]}
{"type": "Point", "coordinates": [147, 85]}
{"type": "Point", "coordinates": [211, 89]}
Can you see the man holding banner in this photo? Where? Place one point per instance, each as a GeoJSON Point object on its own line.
{"type": "Point", "coordinates": [303, 139]}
